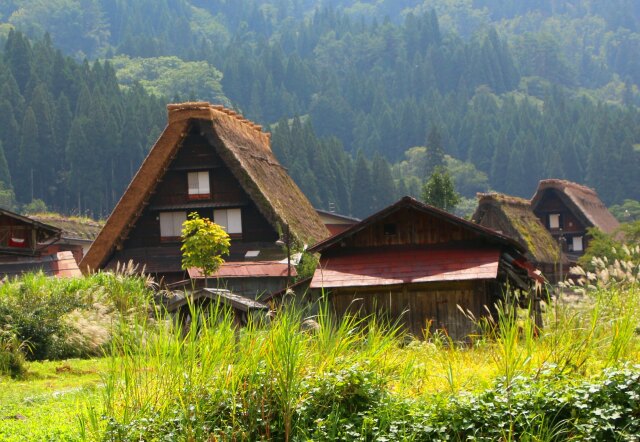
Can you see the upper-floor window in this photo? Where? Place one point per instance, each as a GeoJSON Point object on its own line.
{"type": "Point", "coordinates": [229, 219]}
{"type": "Point", "coordinates": [171, 224]}
{"type": "Point", "coordinates": [199, 184]}
{"type": "Point", "coordinates": [554, 221]}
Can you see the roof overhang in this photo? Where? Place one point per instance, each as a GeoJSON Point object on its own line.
{"type": "Point", "coordinates": [247, 269]}
{"type": "Point", "coordinates": [381, 268]}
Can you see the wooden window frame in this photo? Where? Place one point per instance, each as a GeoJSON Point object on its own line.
{"type": "Point", "coordinates": [202, 192]}
{"type": "Point", "coordinates": [173, 237]}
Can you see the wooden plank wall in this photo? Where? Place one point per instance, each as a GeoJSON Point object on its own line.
{"type": "Point", "coordinates": [172, 191]}
{"type": "Point", "coordinates": [411, 228]}
{"type": "Point", "coordinates": [419, 305]}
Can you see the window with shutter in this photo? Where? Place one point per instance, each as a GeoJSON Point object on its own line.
{"type": "Point", "coordinates": [229, 219]}
{"type": "Point", "coordinates": [199, 185]}
{"type": "Point", "coordinates": [577, 244]}
{"type": "Point", "coordinates": [171, 224]}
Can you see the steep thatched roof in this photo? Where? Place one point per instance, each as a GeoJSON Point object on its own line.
{"type": "Point", "coordinates": [583, 201]}
{"type": "Point", "coordinates": [513, 217]}
{"type": "Point", "coordinates": [246, 151]}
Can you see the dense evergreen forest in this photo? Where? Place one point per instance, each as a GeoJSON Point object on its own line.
{"type": "Point", "coordinates": [364, 99]}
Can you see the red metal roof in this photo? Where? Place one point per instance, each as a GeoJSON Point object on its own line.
{"type": "Point", "coordinates": [406, 266]}
{"type": "Point", "coordinates": [247, 269]}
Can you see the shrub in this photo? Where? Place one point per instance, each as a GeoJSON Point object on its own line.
{"type": "Point", "coordinates": [61, 318]}
{"type": "Point", "coordinates": [12, 361]}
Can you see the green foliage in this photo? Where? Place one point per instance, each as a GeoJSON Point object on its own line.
{"type": "Point", "coordinates": [77, 26]}
{"type": "Point", "coordinates": [523, 91]}
{"type": "Point", "coordinates": [351, 380]}
{"type": "Point", "coordinates": [610, 246]}
{"type": "Point", "coordinates": [60, 318]}
{"type": "Point", "coordinates": [203, 244]}
{"type": "Point", "coordinates": [35, 206]}
{"type": "Point", "coordinates": [628, 211]}
{"type": "Point", "coordinates": [439, 191]}
{"type": "Point", "coordinates": [12, 360]}
{"type": "Point", "coordinates": [7, 197]}
{"type": "Point", "coordinates": [172, 77]}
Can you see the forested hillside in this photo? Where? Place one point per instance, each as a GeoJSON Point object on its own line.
{"type": "Point", "coordinates": [515, 92]}
{"type": "Point", "coordinates": [69, 135]}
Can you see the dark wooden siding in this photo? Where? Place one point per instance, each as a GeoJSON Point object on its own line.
{"type": "Point", "coordinates": [144, 243]}
{"type": "Point", "coordinates": [410, 227]}
{"type": "Point", "coordinates": [552, 203]}
{"type": "Point", "coordinates": [418, 306]}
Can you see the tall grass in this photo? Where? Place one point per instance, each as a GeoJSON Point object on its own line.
{"type": "Point", "coordinates": [357, 378]}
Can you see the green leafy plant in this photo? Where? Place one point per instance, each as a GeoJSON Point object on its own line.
{"type": "Point", "coordinates": [203, 244]}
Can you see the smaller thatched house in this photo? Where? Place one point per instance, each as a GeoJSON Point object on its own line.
{"type": "Point", "coordinates": [77, 234]}
{"type": "Point", "coordinates": [24, 244]}
{"type": "Point", "coordinates": [212, 161]}
{"type": "Point", "coordinates": [567, 210]}
{"type": "Point", "coordinates": [513, 217]}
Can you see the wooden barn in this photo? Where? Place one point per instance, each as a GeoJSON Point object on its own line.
{"type": "Point", "coordinates": [513, 217]}
{"type": "Point", "coordinates": [418, 263]}
{"type": "Point", "coordinates": [24, 244]}
{"type": "Point", "coordinates": [211, 161]}
{"type": "Point", "coordinates": [567, 210]}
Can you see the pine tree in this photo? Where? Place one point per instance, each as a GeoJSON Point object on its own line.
{"type": "Point", "coordinates": [435, 152]}
{"type": "Point", "coordinates": [383, 188]}
{"type": "Point", "coordinates": [361, 196]}
{"type": "Point", "coordinates": [439, 191]}
{"type": "Point", "coordinates": [27, 179]}
{"type": "Point", "coordinates": [5, 175]}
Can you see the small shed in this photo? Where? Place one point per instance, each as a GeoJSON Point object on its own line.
{"type": "Point", "coordinates": [513, 217]}
{"type": "Point", "coordinates": [241, 307]}
{"type": "Point", "coordinates": [419, 265]}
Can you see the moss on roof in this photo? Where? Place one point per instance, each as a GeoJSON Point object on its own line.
{"type": "Point", "coordinates": [73, 227]}
{"type": "Point", "coordinates": [514, 217]}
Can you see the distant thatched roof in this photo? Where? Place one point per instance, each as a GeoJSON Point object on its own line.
{"type": "Point", "coordinates": [246, 151]}
{"type": "Point", "coordinates": [513, 217]}
{"type": "Point", "coordinates": [584, 201]}
{"type": "Point", "coordinates": [72, 227]}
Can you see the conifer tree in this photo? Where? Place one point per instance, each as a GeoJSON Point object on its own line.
{"type": "Point", "coordinates": [27, 176]}
{"type": "Point", "coordinates": [439, 191]}
{"type": "Point", "coordinates": [361, 196]}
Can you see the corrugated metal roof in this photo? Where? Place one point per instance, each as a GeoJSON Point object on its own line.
{"type": "Point", "coordinates": [247, 269]}
{"type": "Point", "coordinates": [406, 266]}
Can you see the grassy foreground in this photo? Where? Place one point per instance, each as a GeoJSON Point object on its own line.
{"type": "Point", "coordinates": [353, 379]}
{"type": "Point", "coordinates": [45, 404]}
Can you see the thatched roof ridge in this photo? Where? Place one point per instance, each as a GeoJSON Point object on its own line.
{"type": "Point", "coordinates": [514, 217]}
{"type": "Point", "coordinates": [583, 200]}
{"type": "Point", "coordinates": [246, 151]}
